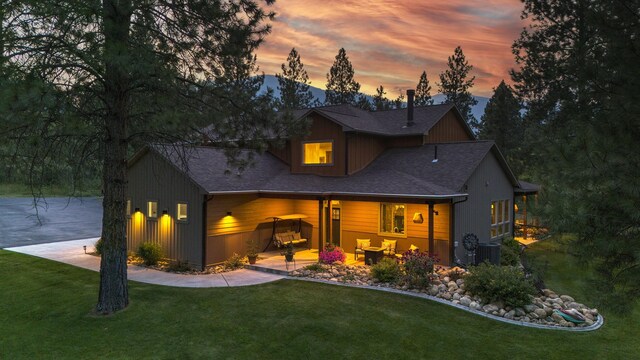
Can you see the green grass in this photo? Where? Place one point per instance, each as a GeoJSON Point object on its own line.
{"type": "Point", "coordinates": [45, 313]}
{"type": "Point", "coordinates": [23, 190]}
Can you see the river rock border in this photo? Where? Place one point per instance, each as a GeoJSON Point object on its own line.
{"type": "Point", "coordinates": [352, 276]}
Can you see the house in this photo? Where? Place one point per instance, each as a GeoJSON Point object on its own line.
{"type": "Point", "coordinates": [415, 175]}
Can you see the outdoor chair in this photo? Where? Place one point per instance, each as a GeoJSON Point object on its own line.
{"type": "Point", "coordinates": [389, 247]}
{"type": "Point", "coordinates": [361, 244]}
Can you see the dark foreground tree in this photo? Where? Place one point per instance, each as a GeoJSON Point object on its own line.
{"type": "Point", "coordinates": [455, 84]}
{"type": "Point", "coordinates": [89, 79]}
{"type": "Point", "coordinates": [293, 84]}
{"type": "Point", "coordinates": [423, 91]}
{"type": "Point", "coordinates": [580, 77]}
{"type": "Point", "coordinates": [341, 86]}
{"type": "Point", "coordinates": [502, 123]}
{"type": "Point", "coordinates": [380, 101]}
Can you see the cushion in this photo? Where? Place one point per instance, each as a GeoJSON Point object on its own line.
{"type": "Point", "coordinates": [413, 247]}
{"type": "Point", "coordinates": [363, 243]}
{"type": "Point", "coordinates": [296, 236]}
{"type": "Point", "coordinates": [288, 238]}
{"type": "Point", "coordinates": [389, 245]}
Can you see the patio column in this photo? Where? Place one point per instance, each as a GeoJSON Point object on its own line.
{"type": "Point", "coordinates": [320, 224]}
{"type": "Point", "coordinates": [431, 217]}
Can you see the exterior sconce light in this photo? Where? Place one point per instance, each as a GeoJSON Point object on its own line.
{"type": "Point", "coordinates": [85, 248]}
{"type": "Point", "coordinates": [136, 210]}
{"type": "Point", "coordinates": [165, 212]}
{"type": "Point", "coordinates": [229, 213]}
{"type": "Point", "coordinates": [435, 212]}
{"type": "Point", "coordinates": [417, 218]}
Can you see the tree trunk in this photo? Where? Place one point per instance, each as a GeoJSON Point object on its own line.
{"type": "Point", "coordinates": [114, 294]}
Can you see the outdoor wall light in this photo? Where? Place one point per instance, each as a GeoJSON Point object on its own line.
{"type": "Point", "coordinates": [136, 210]}
{"type": "Point", "coordinates": [85, 248]}
{"type": "Point", "coordinates": [417, 218]}
{"type": "Point", "coordinates": [229, 213]}
{"type": "Point", "coordinates": [436, 213]}
{"type": "Point", "coordinates": [165, 212]}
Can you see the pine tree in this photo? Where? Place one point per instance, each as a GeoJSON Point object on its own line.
{"type": "Point", "coordinates": [293, 84]}
{"type": "Point", "coordinates": [380, 101]}
{"type": "Point", "coordinates": [398, 103]}
{"type": "Point", "coordinates": [98, 79]}
{"type": "Point", "coordinates": [423, 91]}
{"type": "Point", "coordinates": [502, 122]}
{"type": "Point", "coordinates": [341, 87]}
{"type": "Point", "coordinates": [362, 101]}
{"type": "Point", "coordinates": [579, 78]}
{"type": "Point", "coordinates": [455, 85]}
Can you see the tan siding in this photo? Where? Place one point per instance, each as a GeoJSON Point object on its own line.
{"type": "Point", "coordinates": [229, 234]}
{"type": "Point", "coordinates": [321, 129]}
{"type": "Point", "coordinates": [448, 129]}
{"type": "Point", "coordinates": [363, 149]}
{"type": "Point", "coordinates": [152, 178]}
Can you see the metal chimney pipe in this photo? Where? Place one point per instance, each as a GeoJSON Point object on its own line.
{"type": "Point", "coordinates": [410, 95]}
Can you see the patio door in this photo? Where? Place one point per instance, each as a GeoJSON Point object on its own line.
{"type": "Point", "coordinates": [336, 218]}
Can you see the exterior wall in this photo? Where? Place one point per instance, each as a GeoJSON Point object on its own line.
{"type": "Point", "coordinates": [448, 129]}
{"type": "Point", "coordinates": [321, 129]}
{"type": "Point", "coordinates": [152, 178]}
{"type": "Point", "coordinates": [360, 221]}
{"type": "Point", "coordinates": [487, 183]}
{"type": "Point", "coordinates": [362, 150]}
{"type": "Point", "coordinates": [405, 141]}
{"type": "Point", "coordinates": [229, 234]}
{"type": "Point", "coordinates": [283, 153]}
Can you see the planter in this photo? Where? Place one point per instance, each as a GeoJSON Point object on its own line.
{"type": "Point", "coordinates": [288, 257]}
{"type": "Point", "coordinates": [252, 259]}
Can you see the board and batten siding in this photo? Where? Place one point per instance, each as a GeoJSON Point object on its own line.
{"type": "Point", "coordinates": [152, 178]}
{"type": "Point", "coordinates": [229, 234]}
{"type": "Point", "coordinates": [487, 183]}
{"type": "Point", "coordinates": [360, 221]}
{"type": "Point", "coordinates": [448, 129]}
{"type": "Point", "coordinates": [362, 150]}
{"type": "Point", "coordinates": [321, 129]}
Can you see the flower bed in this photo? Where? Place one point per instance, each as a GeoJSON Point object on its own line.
{"type": "Point", "coordinates": [448, 284]}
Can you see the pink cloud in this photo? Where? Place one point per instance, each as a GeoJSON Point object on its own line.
{"type": "Point", "coordinates": [390, 43]}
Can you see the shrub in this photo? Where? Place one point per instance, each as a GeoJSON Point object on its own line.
{"type": "Point", "coordinates": [179, 266]}
{"type": "Point", "coordinates": [99, 245]}
{"type": "Point", "coordinates": [314, 267]}
{"type": "Point", "coordinates": [234, 262]}
{"type": "Point", "coordinates": [417, 267]}
{"type": "Point", "coordinates": [386, 270]}
{"type": "Point", "coordinates": [510, 252]}
{"type": "Point", "coordinates": [332, 254]}
{"type": "Point", "coordinates": [499, 283]}
{"type": "Point", "coordinates": [150, 253]}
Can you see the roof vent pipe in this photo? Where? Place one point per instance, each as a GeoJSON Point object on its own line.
{"type": "Point", "coordinates": [410, 94]}
{"type": "Point", "coordinates": [435, 155]}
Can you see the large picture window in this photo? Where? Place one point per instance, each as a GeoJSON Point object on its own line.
{"type": "Point", "coordinates": [392, 219]}
{"type": "Point", "coordinates": [317, 153]}
{"type": "Point", "coordinates": [500, 218]}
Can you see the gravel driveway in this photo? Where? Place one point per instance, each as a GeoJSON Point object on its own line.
{"type": "Point", "coordinates": [60, 219]}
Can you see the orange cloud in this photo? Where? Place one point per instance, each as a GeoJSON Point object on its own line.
{"type": "Point", "coordinates": [390, 43]}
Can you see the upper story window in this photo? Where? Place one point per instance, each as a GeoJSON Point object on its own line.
{"type": "Point", "coordinates": [392, 219]}
{"type": "Point", "coordinates": [317, 153]}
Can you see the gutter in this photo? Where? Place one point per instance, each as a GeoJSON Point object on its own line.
{"type": "Point", "coordinates": [329, 193]}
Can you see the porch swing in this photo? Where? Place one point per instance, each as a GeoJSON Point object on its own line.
{"type": "Point", "coordinates": [281, 239]}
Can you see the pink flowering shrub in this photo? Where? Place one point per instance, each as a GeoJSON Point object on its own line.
{"type": "Point", "coordinates": [331, 254]}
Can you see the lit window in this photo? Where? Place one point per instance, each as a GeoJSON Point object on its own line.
{"type": "Point", "coordinates": [500, 218]}
{"type": "Point", "coordinates": [152, 209]}
{"type": "Point", "coordinates": [128, 207]}
{"type": "Point", "coordinates": [182, 211]}
{"type": "Point", "coordinates": [315, 153]}
{"type": "Point", "coordinates": [392, 218]}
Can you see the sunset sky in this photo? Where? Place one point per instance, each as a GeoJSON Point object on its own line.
{"type": "Point", "coordinates": [390, 43]}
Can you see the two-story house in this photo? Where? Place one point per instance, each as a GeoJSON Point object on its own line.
{"type": "Point", "coordinates": [415, 175]}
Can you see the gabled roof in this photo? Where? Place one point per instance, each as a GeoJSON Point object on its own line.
{"type": "Point", "coordinates": [398, 172]}
{"type": "Point", "coordinates": [388, 122]}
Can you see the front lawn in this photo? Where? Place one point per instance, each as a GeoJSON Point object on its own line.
{"type": "Point", "coordinates": [45, 306]}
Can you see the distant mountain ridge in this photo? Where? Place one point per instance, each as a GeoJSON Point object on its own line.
{"type": "Point", "coordinates": [272, 82]}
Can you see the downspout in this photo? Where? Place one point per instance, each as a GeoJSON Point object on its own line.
{"type": "Point", "coordinates": [431, 240]}
{"type": "Point", "coordinates": [453, 244]}
{"type": "Point", "coordinates": [204, 232]}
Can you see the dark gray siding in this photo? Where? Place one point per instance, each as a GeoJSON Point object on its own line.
{"type": "Point", "coordinates": [487, 183]}
{"type": "Point", "coordinates": [152, 178]}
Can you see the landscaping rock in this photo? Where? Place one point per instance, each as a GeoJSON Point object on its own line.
{"type": "Point", "coordinates": [566, 298]}
{"type": "Point", "coordinates": [530, 308]}
{"type": "Point", "coordinates": [541, 313]}
{"type": "Point", "coordinates": [489, 308]}
{"type": "Point", "coordinates": [465, 300]}
{"type": "Point", "coordinates": [456, 296]}
{"type": "Point", "coordinates": [509, 315]}
{"type": "Point", "coordinates": [520, 312]}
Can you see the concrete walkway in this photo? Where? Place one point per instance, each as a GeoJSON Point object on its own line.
{"type": "Point", "coordinates": [72, 253]}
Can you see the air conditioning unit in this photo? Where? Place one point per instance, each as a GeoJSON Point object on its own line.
{"type": "Point", "coordinates": [489, 252]}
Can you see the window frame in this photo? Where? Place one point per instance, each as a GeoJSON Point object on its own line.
{"type": "Point", "coordinates": [186, 219]}
{"type": "Point", "coordinates": [392, 234]}
{"type": "Point", "coordinates": [149, 217]}
{"type": "Point", "coordinates": [501, 220]}
{"type": "Point", "coordinates": [302, 157]}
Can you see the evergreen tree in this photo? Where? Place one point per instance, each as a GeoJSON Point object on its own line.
{"type": "Point", "coordinates": [363, 102]}
{"type": "Point", "coordinates": [341, 87]}
{"type": "Point", "coordinates": [293, 84]}
{"type": "Point", "coordinates": [502, 123]}
{"type": "Point", "coordinates": [380, 101]}
{"type": "Point", "coordinates": [455, 85]}
{"type": "Point", "coordinates": [423, 91]}
{"type": "Point", "coordinates": [398, 103]}
{"type": "Point", "coordinates": [579, 77]}
{"type": "Point", "coordinates": [95, 80]}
